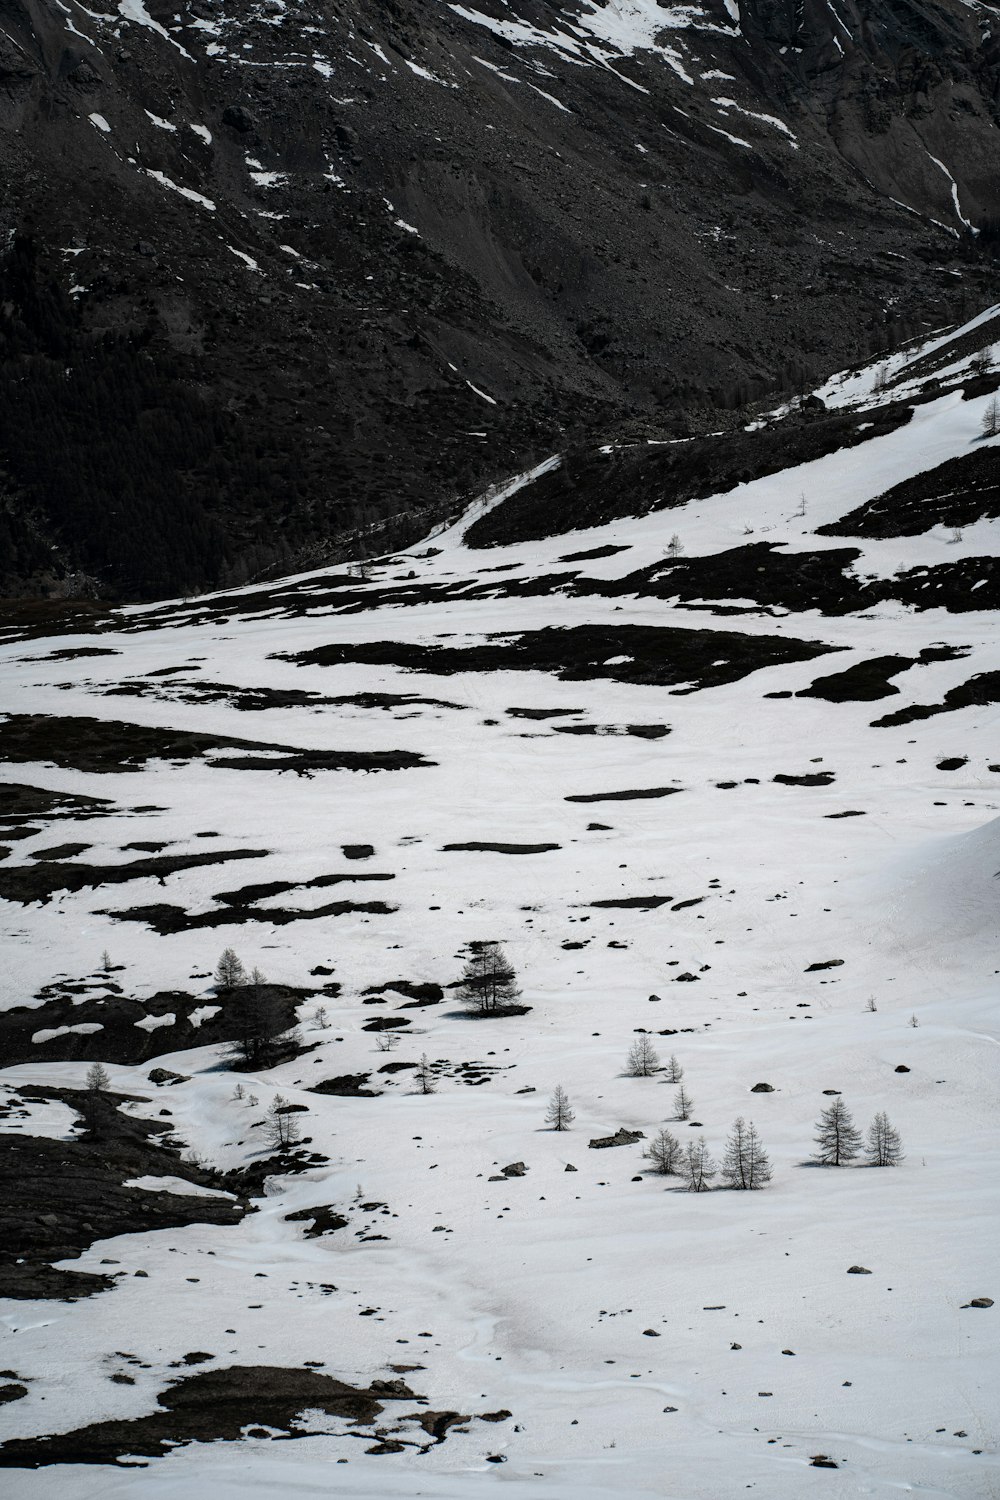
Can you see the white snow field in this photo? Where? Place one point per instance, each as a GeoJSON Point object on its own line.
{"type": "Point", "coordinates": [645, 1340]}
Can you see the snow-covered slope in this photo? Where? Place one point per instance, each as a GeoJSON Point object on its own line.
{"type": "Point", "coordinates": [700, 831]}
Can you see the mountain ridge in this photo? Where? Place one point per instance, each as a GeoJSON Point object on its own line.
{"type": "Point", "coordinates": [320, 272]}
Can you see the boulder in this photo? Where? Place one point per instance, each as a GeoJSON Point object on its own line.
{"type": "Point", "coordinates": [621, 1137]}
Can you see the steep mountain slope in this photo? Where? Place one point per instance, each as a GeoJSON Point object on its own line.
{"type": "Point", "coordinates": [288, 272]}
{"type": "Point", "coordinates": [751, 811]}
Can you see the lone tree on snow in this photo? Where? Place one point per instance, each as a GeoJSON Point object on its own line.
{"type": "Point", "coordinates": [282, 1126]}
{"type": "Point", "coordinates": [674, 1071]}
{"type": "Point", "coordinates": [98, 1078]}
{"type": "Point", "coordinates": [837, 1137]}
{"type": "Point", "coordinates": [559, 1115]}
{"type": "Point", "coordinates": [426, 1082]}
{"type": "Point", "coordinates": [643, 1059]}
{"type": "Point", "coordinates": [488, 984]}
{"type": "Point", "coordinates": [745, 1164]}
{"type": "Point", "coordinates": [883, 1146]}
{"type": "Point", "coordinates": [991, 418]}
{"type": "Point", "coordinates": [683, 1103]}
{"type": "Point", "coordinates": [229, 971]}
{"type": "Point", "coordinates": [664, 1151]}
{"type": "Point", "coordinates": [698, 1166]}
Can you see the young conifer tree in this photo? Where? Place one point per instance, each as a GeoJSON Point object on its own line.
{"type": "Point", "coordinates": [643, 1059]}
{"type": "Point", "coordinates": [883, 1146]}
{"type": "Point", "coordinates": [745, 1164]}
{"type": "Point", "coordinates": [229, 971]}
{"type": "Point", "coordinates": [664, 1152]}
{"type": "Point", "coordinates": [559, 1114]}
{"type": "Point", "coordinates": [698, 1166]}
{"type": "Point", "coordinates": [837, 1137]}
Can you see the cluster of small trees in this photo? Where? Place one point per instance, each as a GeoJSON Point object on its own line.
{"type": "Point", "coordinates": [259, 1014]}
{"type": "Point", "coordinates": [643, 1061]}
{"type": "Point", "coordinates": [746, 1166]}
{"type": "Point", "coordinates": [488, 986]}
{"type": "Point", "coordinates": [745, 1163]}
{"type": "Point", "coordinates": [281, 1126]}
{"type": "Point", "coordinates": [231, 974]}
{"type": "Point", "coordinates": [840, 1142]}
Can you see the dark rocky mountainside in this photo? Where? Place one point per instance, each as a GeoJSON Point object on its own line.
{"type": "Point", "coordinates": [285, 282]}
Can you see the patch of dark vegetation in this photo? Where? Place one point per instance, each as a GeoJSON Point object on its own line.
{"type": "Point", "coordinates": [633, 794]}
{"type": "Point", "coordinates": [247, 895]}
{"type": "Point", "coordinates": [347, 1086]}
{"type": "Point", "coordinates": [121, 1038]}
{"type": "Point", "coordinates": [542, 713]}
{"type": "Point", "coordinates": [633, 903]}
{"type": "Point", "coordinates": [971, 583]}
{"type": "Point", "coordinates": [428, 993]}
{"type": "Point", "coordinates": [60, 851]}
{"type": "Point", "coordinates": [862, 683]}
{"type": "Point", "coordinates": [478, 846]}
{"type": "Point", "coordinates": [764, 572]}
{"type": "Point", "coordinates": [259, 699]}
{"type": "Point", "coordinates": [591, 487]}
{"type": "Point", "coordinates": [956, 493]}
{"type": "Point", "coordinates": [28, 619]}
{"type": "Point", "coordinates": [321, 1220]}
{"type": "Point", "coordinates": [27, 883]}
{"type": "Point", "coordinates": [608, 550]}
{"type": "Point", "coordinates": [852, 812]}
{"type": "Point", "coordinates": [12, 1391]}
{"type": "Point", "coordinates": [808, 778]}
{"type": "Point", "coordinates": [952, 763]}
{"type": "Point", "coordinates": [357, 851]}
{"type": "Point", "coordinates": [20, 804]}
{"type": "Point", "coordinates": [103, 745]}
{"type": "Point", "coordinates": [653, 655]}
{"type": "Point", "coordinates": [245, 699]}
{"type": "Point", "coordinates": [164, 918]}
{"type": "Point", "coordinates": [638, 731]}
{"type": "Point", "coordinates": [868, 680]}
{"type": "Point", "coordinates": [211, 1406]}
{"type": "Point", "coordinates": [389, 701]}
{"type": "Point", "coordinates": [827, 963]}
{"type": "Point", "coordinates": [981, 691]}
{"type": "Point", "coordinates": [777, 579]}
{"type": "Point", "coordinates": [74, 653]}
{"type": "Point", "coordinates": [58, 1197]}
